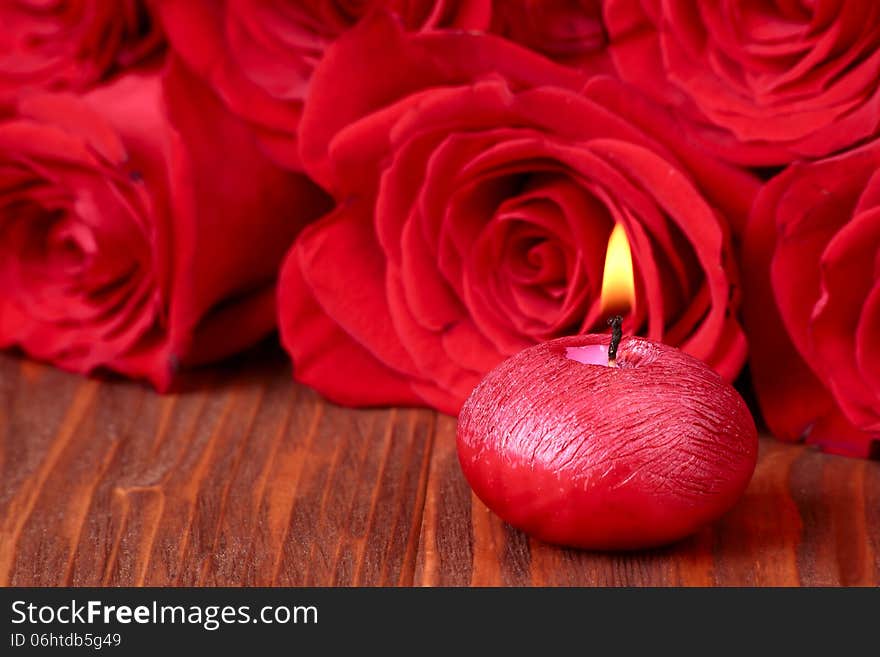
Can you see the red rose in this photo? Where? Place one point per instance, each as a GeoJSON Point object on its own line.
{"type": "Point", "coordinates": [70, 45]}
{"type": "Point", "coordinates": [812, 303]}
{"type": "Point", "coordinates": [569, 31]}
{"type": "Point", "coordinates": [762, 82]}
{"type": "Point", "coordinates": [259, 56]}
{"type": "Point", "coordinates": [126, 242]}
{"type": "Point", "coordinates": [477, 190]}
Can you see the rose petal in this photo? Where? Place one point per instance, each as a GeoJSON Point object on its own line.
{"type": "Point", "coordinates": [848, 275]}
{"type": "Point", "coordinates": [326, 357]}
{"type": "Point", "coordinates": [791, 397]}
{"type": "Point", "coordinates": [433, 60]}
{"type": "Point", "coordinates": [344, 293]}
{"type": "Point", "coordinates": [209, 267]}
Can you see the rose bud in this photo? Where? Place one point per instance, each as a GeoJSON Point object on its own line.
{"type": "Point", "coordinates": [579, 452]}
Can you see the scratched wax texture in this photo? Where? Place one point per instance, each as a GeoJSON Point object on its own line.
{"type": "Point", "coordinates": [648, 450]}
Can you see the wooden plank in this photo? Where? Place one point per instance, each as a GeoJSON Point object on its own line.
{"type": "Point", "coordinates": [806, 519]}
{"type": "Point", "coordinates": [243, 478]}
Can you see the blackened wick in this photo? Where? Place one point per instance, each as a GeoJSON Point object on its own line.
{"type": "Point", "coordinates": [616, 324]}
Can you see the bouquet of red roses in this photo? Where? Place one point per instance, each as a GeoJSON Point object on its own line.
{"type": "Point", "coordinates": [414, 190]}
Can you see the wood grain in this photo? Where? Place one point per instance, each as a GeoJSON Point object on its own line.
{"type": "Point", "coordinates": [246, 478]}
{"type": "Point", "coordinates": [806, 519]}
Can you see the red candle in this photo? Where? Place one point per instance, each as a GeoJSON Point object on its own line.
{"type": "Point", "coordinates": [594, 456]}
{"type": "Point", "coordinates": [606, 443]}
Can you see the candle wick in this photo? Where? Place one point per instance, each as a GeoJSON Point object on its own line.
{"type": "Point", "coordinates": [616, 324]}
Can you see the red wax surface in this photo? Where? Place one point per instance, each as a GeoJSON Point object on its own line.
{"type": "Point", "coordinates": [599, 457]}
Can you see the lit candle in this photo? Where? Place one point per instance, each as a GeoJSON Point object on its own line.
{"type": "Point", "coordinates": [605, 442]}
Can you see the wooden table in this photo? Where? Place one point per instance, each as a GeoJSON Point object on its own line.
{"type": "Point", "coordinates": [246, 478]}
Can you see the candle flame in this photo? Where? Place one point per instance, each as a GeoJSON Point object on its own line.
{"type": "Point", "coordinates": [618, 284]}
